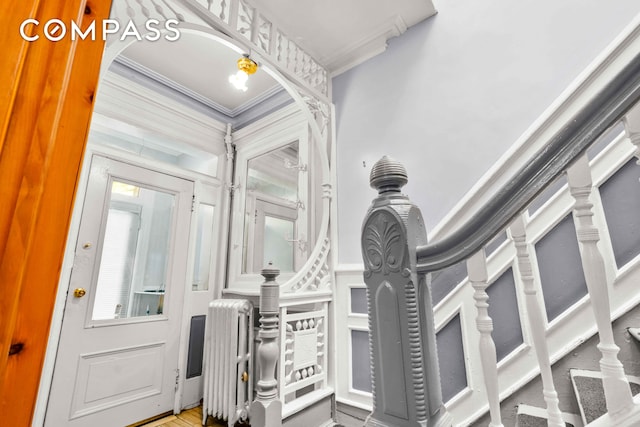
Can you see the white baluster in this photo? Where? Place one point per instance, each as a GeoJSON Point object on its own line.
{"type": "Point", "coordinates": [266, 409]}
{"type": "Point", "coordinates": [477, 269]}
{"type": "Point", "coordinates": [144, 9]}
{"type": "Point", "coordinates": [632, 129]}
{"type": "Point", "coordinates": [536, 323]}
{"type": "Point", "coordinates": [234, 7]}
{"type": "Point", "coordinates": [616, 385]}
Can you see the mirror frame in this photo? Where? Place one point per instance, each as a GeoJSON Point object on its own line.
{"type": "Point", "coordinates": [275, 131]}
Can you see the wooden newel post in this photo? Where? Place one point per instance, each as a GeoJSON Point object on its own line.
{"type": "Point", "coordinates": [266, 409]}
{"type": "Point", "coordinates": [404, 361]}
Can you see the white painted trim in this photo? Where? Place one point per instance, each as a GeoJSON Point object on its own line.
{"type": "Point", "coordinates": [355, 403]}
{"type": "Point", "coordinates": [259, 138]}
{"type": "Point", "coordinates": [349, 268]}
{"type": "Point", "coordinates": [131, 103]}
{"type": "Point", "coordinates": [333, 361]}
{"type": "Point", "coordinates": [63, 285]}
{"type": "Point", "coordinates": [366, 47]}
{"type": "Point", "coordinates": [345, 322]}
{"type": "Point", "coordinates": [303, 402]}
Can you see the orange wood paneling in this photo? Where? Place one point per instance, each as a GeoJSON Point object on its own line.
{"type": "Point", "coordinates": [14, 50]}
{"type": "Point", "coordinates": [45, 118]}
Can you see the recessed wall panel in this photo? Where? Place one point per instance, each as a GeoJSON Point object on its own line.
{"type": "Point", "coordinates": [360, 361]}
{"type": "Point", "coordinates": [359, 300]}
{"type": "Point", "coordinates": [451, 358]}
{"type": "Point", "coordinates": [620, 196]}
{"type": "Point", "coordinates": [443, 281]}
{"type": "Point", "coordinates": [503, 309]}
{"type": "Point", "coordinates": [560, 266]}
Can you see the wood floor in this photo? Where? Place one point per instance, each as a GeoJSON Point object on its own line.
{"type": "Point", "coordinates": [188, 418]}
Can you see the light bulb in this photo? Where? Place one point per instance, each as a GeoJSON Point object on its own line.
{"type": "Point", "coordinates": [239, 80]}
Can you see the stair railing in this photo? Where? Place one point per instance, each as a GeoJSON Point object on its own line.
{"type": "Point", "coordinates": [397, 259]}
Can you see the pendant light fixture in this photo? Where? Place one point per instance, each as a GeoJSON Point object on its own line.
{"type": "Point", "coordinates": [246, 67]}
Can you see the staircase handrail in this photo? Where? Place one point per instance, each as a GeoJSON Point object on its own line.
{"type": "Point", "coordinates": [607, 106]}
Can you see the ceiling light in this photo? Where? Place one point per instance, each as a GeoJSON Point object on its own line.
{"type": "Point", "coordinates": [246, 67]}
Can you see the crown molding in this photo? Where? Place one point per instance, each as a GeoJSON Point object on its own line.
{"type": "Point", "coordinates": [229, 113]}
{"type": "Point", "coordinates": [365, 48]}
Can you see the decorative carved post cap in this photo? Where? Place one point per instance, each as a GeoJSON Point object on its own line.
{"type": "Point", "coordinates": [270, 273]}
{"type": "Point", "coordinates": [388, 175]}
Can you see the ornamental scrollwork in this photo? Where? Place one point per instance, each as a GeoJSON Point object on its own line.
{"type": "Point", "coordinates": [383, 244]}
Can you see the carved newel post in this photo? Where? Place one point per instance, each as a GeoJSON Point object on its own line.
{"type": "Point", "coordinates": [266, 410]}
{"type": "Point", "coordinates": [402, 341]}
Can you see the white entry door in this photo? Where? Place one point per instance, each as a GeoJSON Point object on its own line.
{"type": "Point", "coordinates": [117, 361]}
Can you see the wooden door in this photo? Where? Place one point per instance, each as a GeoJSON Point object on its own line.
{"type": "Point", "coordinates": [45, 111]}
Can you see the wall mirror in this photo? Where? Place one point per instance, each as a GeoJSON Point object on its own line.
{"type": "Point", "coordinates": [273, 214]}
{"type": "Point", "coordinates": [279, 143]}
{"type": "Point", "coordinates": [273, 223]}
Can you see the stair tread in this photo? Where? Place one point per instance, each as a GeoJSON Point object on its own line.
{"type": "Point", "coordinates": [590, 395]}
{"type": "Point", "coordinates": [533, 416]}
{"type": "Point", "coordinates": [526, 420]}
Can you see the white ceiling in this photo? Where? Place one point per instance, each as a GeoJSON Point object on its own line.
{"type": "Point", "coordinates": [337, 33]}
{"type": "Point", "coordinates": [340, 34]}
{"type": "Point", "coordinates": [199, 67]}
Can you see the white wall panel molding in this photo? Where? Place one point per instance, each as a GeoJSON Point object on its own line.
{"type": "Point", "coordinates": [132, 104]}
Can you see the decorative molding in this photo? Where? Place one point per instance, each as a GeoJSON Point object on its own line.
{"type": "Point", "coordinates": [249, 112]}
{"type": "Point", "coordinates": [286, 119]}
{"type": "Point", "coordinates": [132, 112]}
{"type": "Point", "coordinates": [384, 245]}
{"type": "Point", "coordinates": [248, 24]}
{"type": "Point", "coordinates": [366, 48]}
{"type": "Point", "coordinates": [160, 78]}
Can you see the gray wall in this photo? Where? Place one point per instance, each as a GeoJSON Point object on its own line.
{"type": "Point", "coordinates": [453, 93]}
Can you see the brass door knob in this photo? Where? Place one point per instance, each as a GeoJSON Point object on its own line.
{"type": "Point", "coordinates": [245, 376]}
{"type": "Point", "coordinates": [79, 292]}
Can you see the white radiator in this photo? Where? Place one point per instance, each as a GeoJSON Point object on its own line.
{"type": "Point", "coordinates": [228, 375]}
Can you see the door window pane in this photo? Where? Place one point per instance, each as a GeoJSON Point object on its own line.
{"type": "Point", "coordinates": [202, 259]}
{"type": "Point", "coordinates": [277, 247]}
{"type": "Point", "coordinates": [135, 250]}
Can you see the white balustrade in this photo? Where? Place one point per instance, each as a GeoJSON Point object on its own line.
{"type": "Point", "coordinates": [304, 357]}
{"type": "Point", "coordinates": [477, 269]}
{"type": "Point", "coordinates": [616, 386]}
{"type": "Point", "coordinates": [536, 322]}
{"type": "Point", "coordinates": [139, 11]}
{"type": "Point", "coordinates": [241, 19]}
{"type": "Point", "coordinates": [247, 22]}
